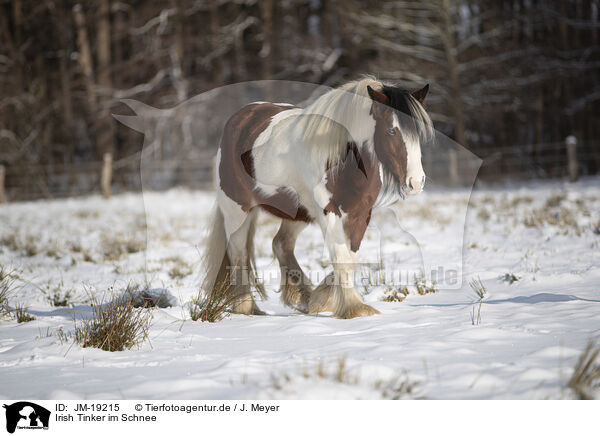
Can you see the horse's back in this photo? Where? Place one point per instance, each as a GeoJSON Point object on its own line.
{"type": "Point", "coordinates": [237, 175]}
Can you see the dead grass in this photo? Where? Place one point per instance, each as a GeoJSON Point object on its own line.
{"type": "Point", "coordinates": [428, 213]}
{"type": "Point", "coordinates": [478, 287]}
{"type": "Point", "coordinates": [213, 306]}
{"type": "Point", "coordinates": [7, 288]}
{"type": "Point", "coordinates": [26, 245]}
{"type": "Point", "coordinates": [484, 214]}
{"type": "Point", "coordinates": [555, 200]}
{"type": "Point", "coordinates": [115, 246]}
{"type": "Point", "coordinates": [114, 326]}
{"type": "Point", "coordinates": [561, 217]}
{"type": "Point", "coordinates": [397, 295]}
{"type": "Point", "coordinates": [509, 278]}
{"type": "Point", "coordinates": [57, 295]}
{"type": "Point", "coordinates": [586, 374]}
{"type": "Point", "coordinates": [423, 288]}
{"type": "Point", "coordinates": [480, 291]}
{"type": "Point", "coordinates": [476, 314]}
{"type": "Point", "coordinates": [396, 388]}
{"type": "Point", "coordinates": [22, 315]}
{"type": "Point", "coordinates": [180, 268]}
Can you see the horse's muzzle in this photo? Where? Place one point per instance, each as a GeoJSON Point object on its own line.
{"type": "Point", "coordinates": [413, 186]}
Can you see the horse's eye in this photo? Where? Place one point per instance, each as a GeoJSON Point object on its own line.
{"type": "Point", "coordinates": [391, 131]}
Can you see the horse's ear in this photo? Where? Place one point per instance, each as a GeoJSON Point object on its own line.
{"type": "Point", "coordinates": [420, 94]}
{"type": "Point", "coordinates": [377, 96]}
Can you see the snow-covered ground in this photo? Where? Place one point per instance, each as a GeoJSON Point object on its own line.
{"type": "Point", "coordinates": [521, 342]}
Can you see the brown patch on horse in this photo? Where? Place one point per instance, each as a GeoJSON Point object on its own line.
{"type": "Point", "coordinates": [354, 185]}
{"type": "Point", "coordinates": [236, 169]}
{"type": "Point", "coordinates": [389, 148]}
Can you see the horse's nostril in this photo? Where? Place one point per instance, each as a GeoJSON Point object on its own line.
{"type": "Point", "coordinates": [410, 185]}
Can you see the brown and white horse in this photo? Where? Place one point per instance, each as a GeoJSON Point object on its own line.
{"type": "Point", "coordinates": [330, 163]}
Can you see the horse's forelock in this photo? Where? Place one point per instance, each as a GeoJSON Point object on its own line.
{"type": "Point", "coordinates": [414, 120]}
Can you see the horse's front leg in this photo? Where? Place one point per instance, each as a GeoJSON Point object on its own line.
{"type": "Point", "coordinates": [337, 293]}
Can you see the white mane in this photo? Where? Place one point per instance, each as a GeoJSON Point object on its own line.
{"type": "Point", "coordinates": [339, 116]}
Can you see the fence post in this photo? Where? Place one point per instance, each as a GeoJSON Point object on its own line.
{"type": "Point", "coordinates": [453, 168]}
{"type": "Point", "coordinates": [106, 176]}
{"type": "Point", "coordinates": [2, 176]}
{"type": "Point", "coordinates": [571, 142]}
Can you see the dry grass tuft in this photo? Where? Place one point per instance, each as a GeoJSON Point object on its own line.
{"type": "Point", "coordinates": [478, 287]}
{"type": "Point", "coordinates": [397, 388]}
{"type": "Point", "coordinates": [214, 306]}
{"type": "Point", "coordinates": [509, 278]}
{"type": "Point", "coordinates": [480, 291]}
{"type": "Point", "coordinates": [7, 281]}
{"type": "Point", "coordinates": [114, 326]}
{"type": "Point", "coordinates": [586, 374]}
{"type": "Point", "coordinates": [24, 244]}
{"type": "Point", "coordinates": [395, 295]}
{"type": "Point", "coordinates": [555, 200]}
{"type": "Point", "coordinates": [57, 295]}
{"type": "Point", "coordinates": [561, 217]}
{"type": "Point", "coordinates": [476, 315]}
{"type": "Point", "coordinates": [423, 288]}
{"type": "Point", "coordinates": [180, 269]}
{"type": "Point", "coordinates": [21, 314]}
{"type": "Point", "coordinates": [484, 214]}
{"type": "Point", "coordinates": [115, 246]}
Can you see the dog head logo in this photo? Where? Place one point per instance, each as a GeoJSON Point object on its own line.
{"type": "Point", "coordinates": [26, 415]}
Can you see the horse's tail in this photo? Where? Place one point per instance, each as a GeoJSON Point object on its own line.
{"type": "Point", "coordinates": [216, 261]}
{"type": "Point", "coordinates": [215, 258]}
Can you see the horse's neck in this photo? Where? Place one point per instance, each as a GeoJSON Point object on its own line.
{"type": "Point", "coordinates": [362, 128]}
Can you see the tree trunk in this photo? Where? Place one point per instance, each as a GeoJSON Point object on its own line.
{"type": "Point", "coordinates": [447, 36]}
{"type": "Point", "coordinates": [217, 63]}
{"type": "Point", "coordinates": [178, 53]}
{"type": "Point", "coordinates": [266, 52]}
{"type": "Point", "coordinates": [105, 129]}
{"type": "Point", "coordinates": [85, 56]}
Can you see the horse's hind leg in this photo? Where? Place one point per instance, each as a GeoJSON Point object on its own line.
{"type": "Point", "coordinates": [295, 286]}
{"type": "Point", "coordinates": [238, 268]}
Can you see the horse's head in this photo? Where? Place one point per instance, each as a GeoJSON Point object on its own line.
{"type": "Point", "coordinates": [400, 124]}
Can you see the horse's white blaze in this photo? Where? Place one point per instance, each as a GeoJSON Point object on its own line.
{"type": "Point", "coordinates": [414, 166]}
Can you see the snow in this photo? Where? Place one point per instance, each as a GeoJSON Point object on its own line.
{"type": "Point", "coordinates": [528, 340]}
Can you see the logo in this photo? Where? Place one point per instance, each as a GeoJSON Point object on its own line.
{"type": "Point", "coordinates": [26, 415]}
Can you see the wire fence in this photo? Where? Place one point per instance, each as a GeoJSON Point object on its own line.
{"type": "Point", "coordinates": [132, 173]}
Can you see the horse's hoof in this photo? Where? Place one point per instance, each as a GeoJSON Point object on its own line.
{"type": "Point", "coordinates": [246, 306]}
{"type": "Point", "coordinates": [296, 297]}
{"type": "Point", "coordinates": [257, 311]}
{"type": "Point", "coordinates": [356, 311]}
{"type": "Point", "coordinates": [321, 300]}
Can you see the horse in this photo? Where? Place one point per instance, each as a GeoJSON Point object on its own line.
{"type": "Point", "coordinates": [354, 148]}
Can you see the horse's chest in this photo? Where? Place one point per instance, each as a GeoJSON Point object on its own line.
{"type": "Point", "coordinates": [354, 185]}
